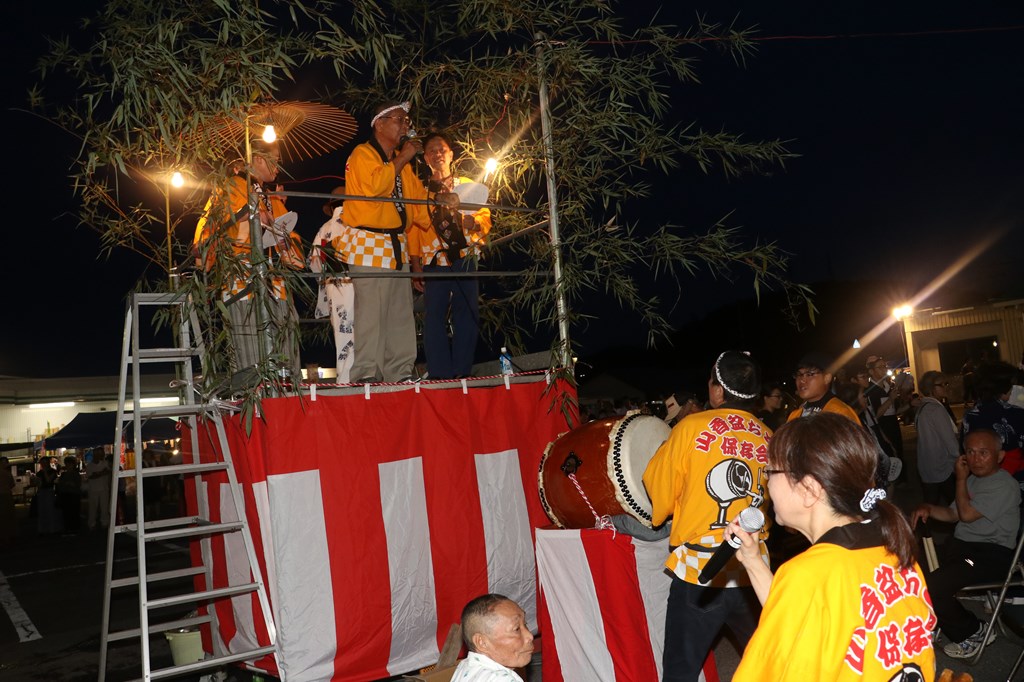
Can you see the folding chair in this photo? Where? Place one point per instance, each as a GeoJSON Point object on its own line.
{"type": "Point", "coordinates": [994, 602]}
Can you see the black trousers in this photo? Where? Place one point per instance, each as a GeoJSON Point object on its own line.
{"type": "Point", "coordinates": [695, 616]}
{"type": "Point", "coordinates": [963, 564]}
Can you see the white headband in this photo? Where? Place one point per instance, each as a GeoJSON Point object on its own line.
{"type": "Point", "coordinates": [404, 106]}
{"type": "Point", "coordinates": [721, 382]}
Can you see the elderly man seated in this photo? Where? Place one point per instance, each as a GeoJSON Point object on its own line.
{"type": "Point", "coordinates": [498, 639]}
{"type": "Point", "coordinates": [986, 513]}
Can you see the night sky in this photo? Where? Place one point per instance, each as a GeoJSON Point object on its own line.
{"type": "Point", "coordinates": [911, 150]}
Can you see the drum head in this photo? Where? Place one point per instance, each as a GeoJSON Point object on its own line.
{"type": "Point", "coordinates": [607, 459]}
{"type": "Point", "coordinates": [634, 440]}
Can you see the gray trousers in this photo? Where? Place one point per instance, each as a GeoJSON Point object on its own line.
{"type": "Point", "coordinates": [385, 332]}
{"type": "Point", "coordinates": [281, 326]}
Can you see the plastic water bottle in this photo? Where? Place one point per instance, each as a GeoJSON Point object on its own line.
{"type": "Point", "coordinates": [506, 361]}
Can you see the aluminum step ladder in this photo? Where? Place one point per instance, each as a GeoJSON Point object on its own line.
{"type": "Point", "coordinates": [199, 416]}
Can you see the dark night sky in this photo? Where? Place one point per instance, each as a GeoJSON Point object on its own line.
{"type": "Point", "coordinates": [911, 150]}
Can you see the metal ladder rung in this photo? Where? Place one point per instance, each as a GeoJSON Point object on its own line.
{"type": "Point", "coordinates": [147, 355]}
{"type": "Point", "coordinates": [205, 595]}
{"type": "Point", "coordinates": [159, 523]}
{"type": "Point", "coordinates": [175, 671]}
{"type": "Point", "coordinates": [191, 531]}
{"type": "Point", "coordinates": [163, 298]}
{"type": "Point", "coordinates": [175, 469]}
{"type": "Point", "coordinates": [157, 628]}
{"type": "Point", "coordinates": [173, 410]}
{"type": "Point", "coordinates": [131, 581]}
{"type": "Point", "coordinates": [188, 344]}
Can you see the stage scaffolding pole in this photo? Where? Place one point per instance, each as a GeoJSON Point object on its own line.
{"type": "Point", "coordinates": [556, 244]}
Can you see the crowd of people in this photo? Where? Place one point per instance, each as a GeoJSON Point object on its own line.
{"type": "Point", "coordinates": [72, 494]}
{"type": "Point", "coordinates": [825, 461]}
{"type": "Point", "coordinates": [855, 588]}
{"type": "Point", "coordinates": [358, 252]}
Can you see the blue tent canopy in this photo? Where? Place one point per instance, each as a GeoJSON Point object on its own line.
{"type": "Point", "coordinates": [91, 429]}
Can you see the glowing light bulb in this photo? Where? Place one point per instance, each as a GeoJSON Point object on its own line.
{"type": "Point", "coordinates": [491, 165]}
{"type": "Point", "coordinates": [856, 343]}
{"type": "Point", "coordinates": [269, 134]}
{"type": "Point", "coordinates": [177, 179]}
{"type": "Point", "coordinates": [902, 311]}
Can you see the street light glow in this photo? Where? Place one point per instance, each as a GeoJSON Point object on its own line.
{"type": "Point", "coordinates": [902, 311]}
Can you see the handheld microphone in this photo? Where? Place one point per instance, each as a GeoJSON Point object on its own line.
{"type": "Point", "coordinates": [751, 519]}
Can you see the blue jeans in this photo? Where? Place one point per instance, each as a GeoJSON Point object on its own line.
{"type": "Point", "coordinates": [447, 360]}
{"type": "Point", "coordinates": [695, 617]}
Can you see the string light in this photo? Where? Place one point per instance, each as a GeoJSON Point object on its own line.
{"type": "Point", "coordinates": [269, 134]}
{"type": "Point", "coordinates": [177, 179]}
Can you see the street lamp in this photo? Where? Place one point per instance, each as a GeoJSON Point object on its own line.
{"type": "Point", "coordinates": [175, 179]}
{"type": "Point", "coordinates": [900, 313]}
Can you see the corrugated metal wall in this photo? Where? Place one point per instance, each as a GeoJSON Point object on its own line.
{"type": "Point", "coordinates": [925, 330]}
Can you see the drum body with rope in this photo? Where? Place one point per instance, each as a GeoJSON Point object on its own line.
{"type": "Point", "coordinates": [597, 470]}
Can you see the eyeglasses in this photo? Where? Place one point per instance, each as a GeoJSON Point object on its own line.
{"type": "Point", "coordinates": [808, 374]}
{"type": "Point", "coordinates": [769, 472]}
{"type": "Point", "coordinates": [401, 119]}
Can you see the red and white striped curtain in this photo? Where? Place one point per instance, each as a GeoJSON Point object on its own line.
{"type": "Point", "coordinates": [603, 600]}
{"type": "Point", "coordinates": [376, 519]}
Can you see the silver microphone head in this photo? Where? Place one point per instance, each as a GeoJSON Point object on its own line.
{"type": "Point", "coordinates": [751, 519]}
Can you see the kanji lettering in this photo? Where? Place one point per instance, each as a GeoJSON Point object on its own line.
{"type": "Point", "coordinates": [729, 446]}
{"type": "Point", "coordinates": [704, 441]}
{"type": "Point", "coordinates": [736, 422]}
{"type": "Point", "coordinates": [718, 425]}
{"type": "Point", "coordinates": [889, 645]}
{"type": "Point", "coordinates": [885, 579]}
{"type": "Point", "coordinates": [916, 638]}
{"type": "Point", "coordinates": [871, 607]}
{"type": "Point", "coordinates": [855, 652]}
{"type": "Point", "coordinates": [911, 582]}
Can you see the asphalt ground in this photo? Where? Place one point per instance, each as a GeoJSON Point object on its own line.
{"type": "Point", "coordinates": [51, 589]}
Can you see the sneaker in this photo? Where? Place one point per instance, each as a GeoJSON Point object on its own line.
{"type": "Point", "coordinates": [895, 468]}
{"type": "Point", "coordinates": [409, 379]}
{"type": "Point", "coordinates": [970, 646]}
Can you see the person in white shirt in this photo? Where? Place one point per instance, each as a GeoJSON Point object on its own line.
{"type": "Point", "coordinates": [498, 639]}
{"type": "Point", "coordinates": [336, 295]}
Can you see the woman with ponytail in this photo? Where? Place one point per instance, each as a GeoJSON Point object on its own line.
{"type": "Point", "coordinates": [854, 605]}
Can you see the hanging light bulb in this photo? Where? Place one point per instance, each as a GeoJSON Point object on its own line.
{"type": "Point", "coordinates": [269, 134]}
{"type": "Point", "coordinates": [177, 179]}
{"type": "Point", "coordinates": [491, 165]}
